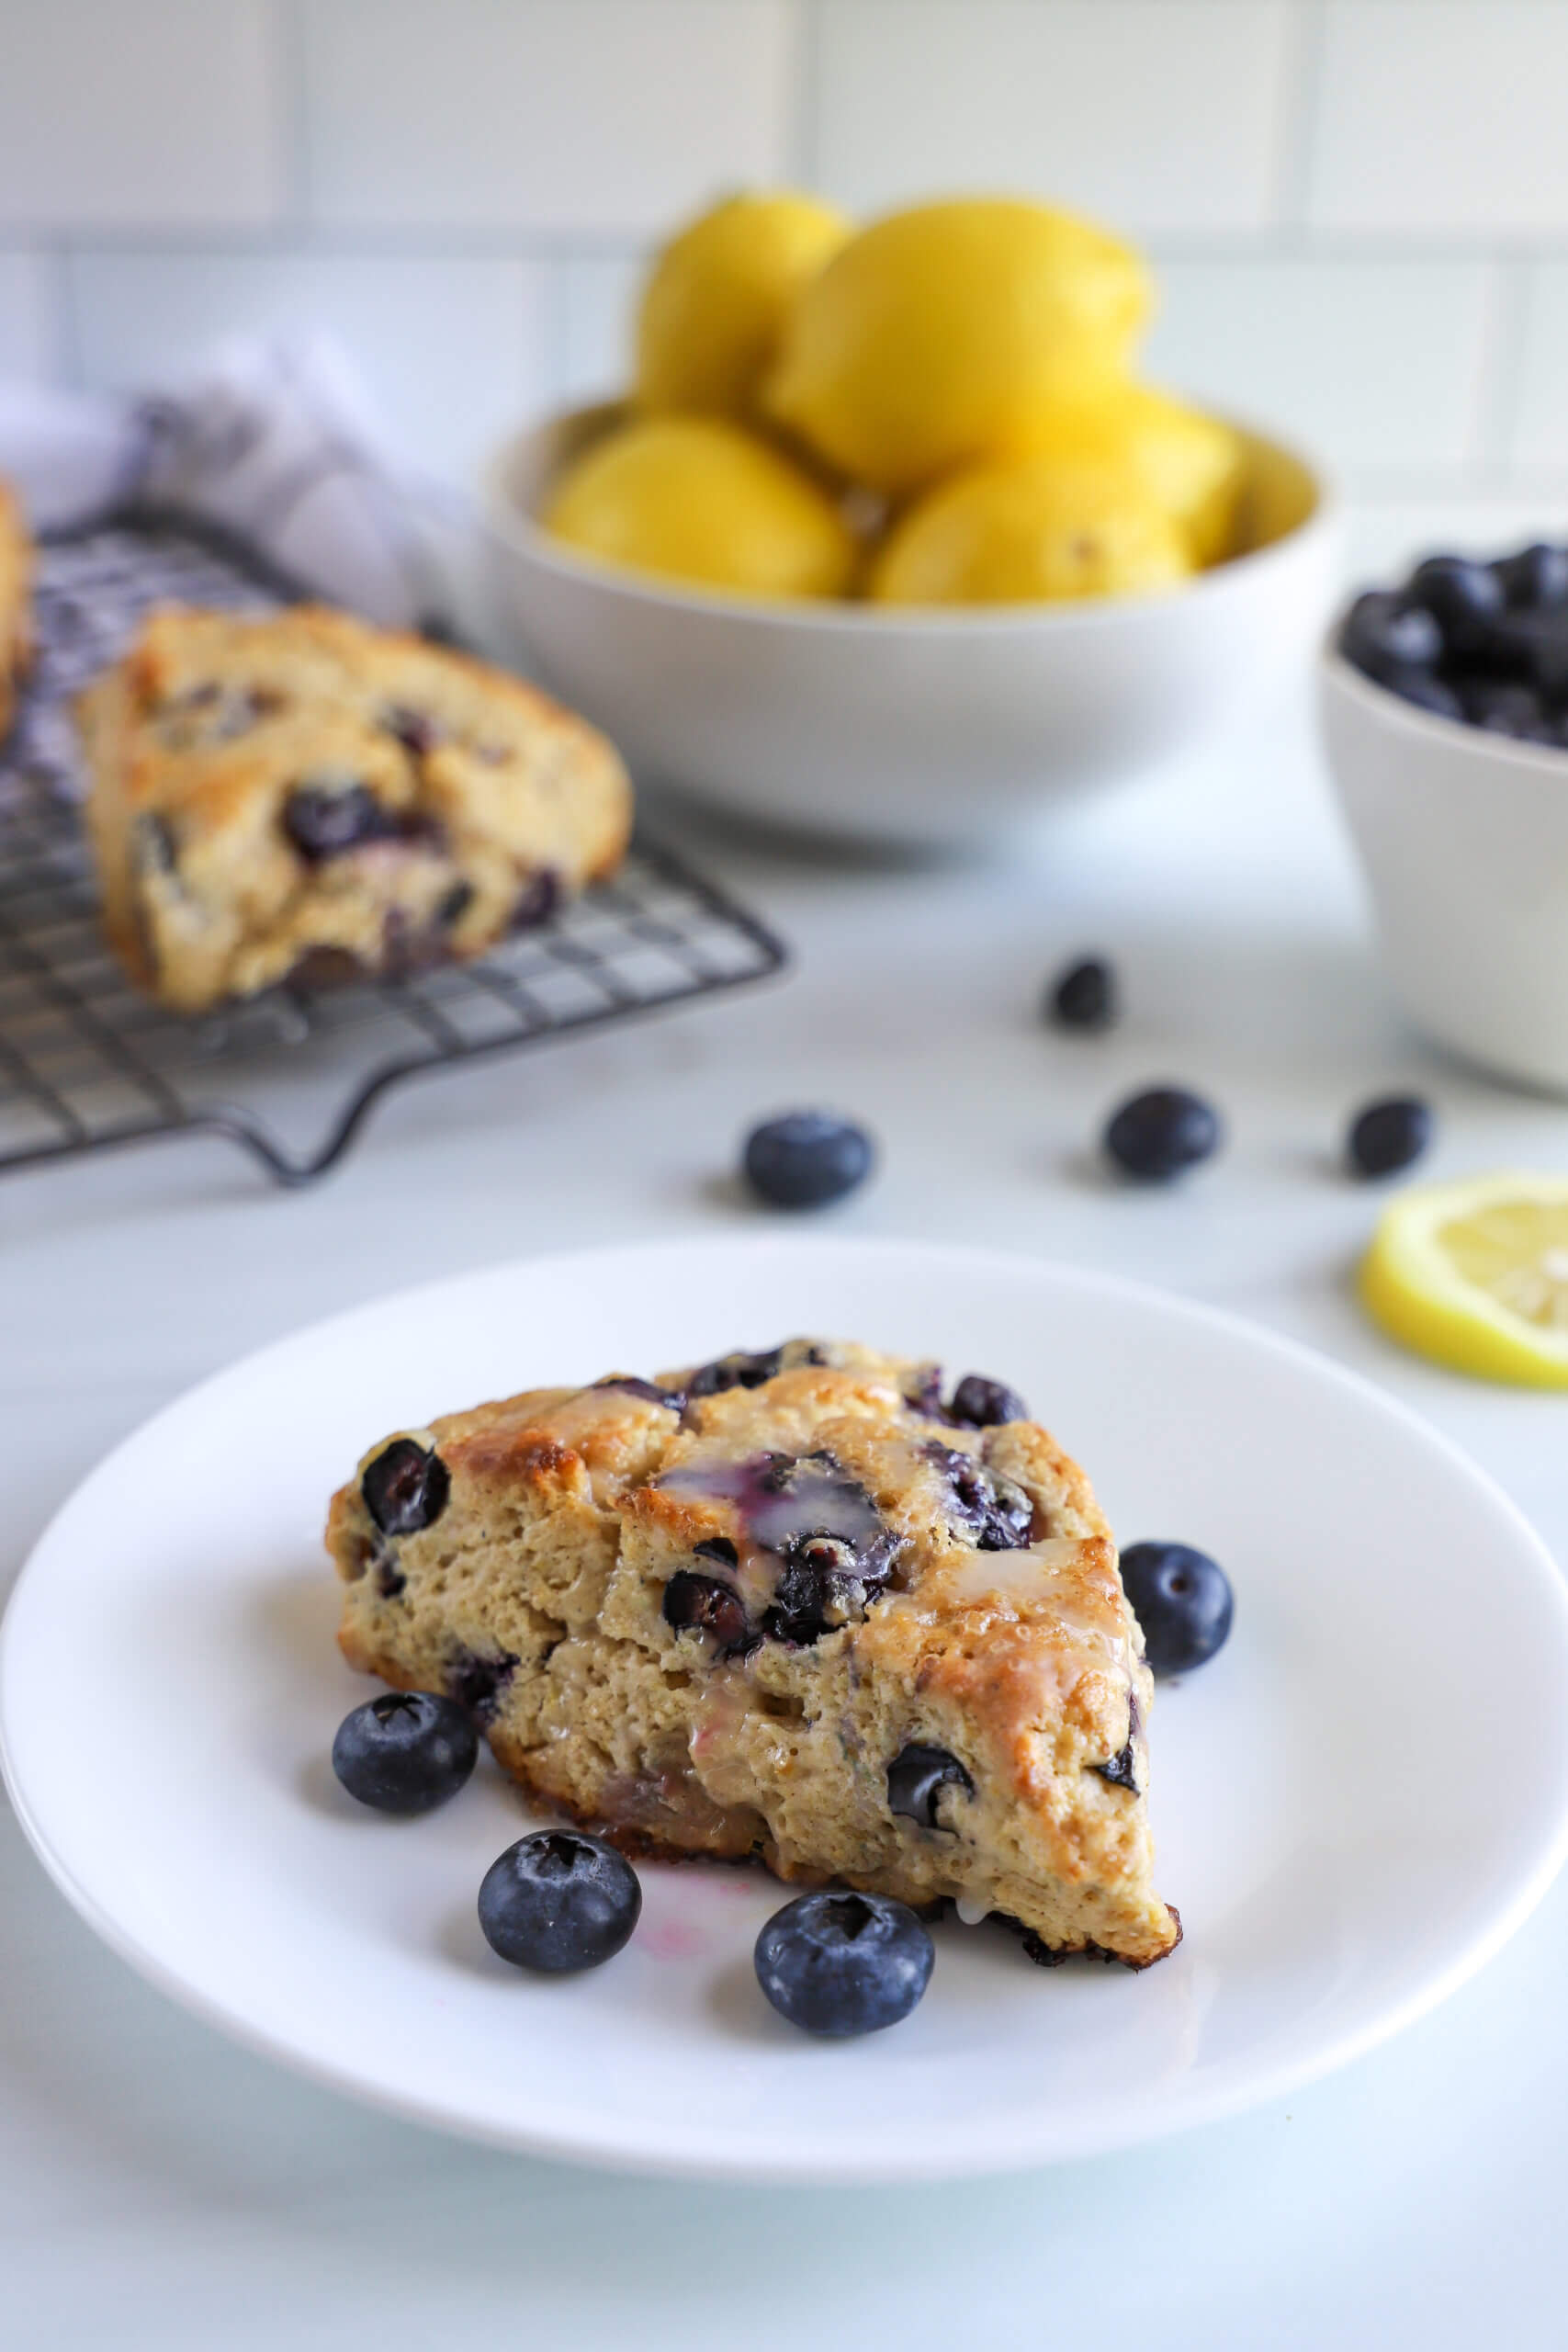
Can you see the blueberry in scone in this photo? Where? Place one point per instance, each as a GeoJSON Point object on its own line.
{"type": "Point", "coordinates": [15, 605]}
{"type": "Point", "coordinates": [783, 1605]}
{"type": "Point", "coordinates": [299, 796]}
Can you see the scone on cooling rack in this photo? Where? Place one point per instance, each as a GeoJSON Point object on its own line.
{"type": "Point", "coordinates": [787, 1606]}
{"type": "Point", "coordinates": [300, 796]}
{"type": "Point", "coordinates": [16, 604]}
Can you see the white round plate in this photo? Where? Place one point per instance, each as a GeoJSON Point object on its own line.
{"type": "Point", "coordinates": [1354, 1803]}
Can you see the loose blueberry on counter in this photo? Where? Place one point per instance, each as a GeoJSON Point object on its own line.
{"type": "Point", "coordinates": [805, 1158]}
{"type": "Point", "coordinates": [406, 1752]}
{"type": "Point", "coordinates": [1384, 633]}
{"type": "Point", "coordinates": [406, 1488]}
{"type": "Point", "coordinates": [980, 1403]}
{"type": "Point", "coordinates": [916, 1777]}
{"type": "Point", "coordinates": [1084, 996]}
{"type": "Point", "coordinates": [558, 1901]}
{"type": "Point", "coordinates": [1183, 1600]}
{"type": "Point", "coordinates": [1155, 1135]}
{"type": "Point", "coordinates": [842, 1964]}
{"type": "Point", "coordinates": [1388, 1135]}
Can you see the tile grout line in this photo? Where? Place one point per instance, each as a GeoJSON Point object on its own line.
{"type": "Point", "coordinates": [1296, 134]}
{"type": "Point", "coordinates": [804, 140]}
{"type": "Point", "coordinates": [67, 322]}
{"type": "Point", "coordinates": [293, 113]}
{"type": "Point", "coordinates": [521, 242]}
{"type": "Point", "coordinates": [1499, 392]}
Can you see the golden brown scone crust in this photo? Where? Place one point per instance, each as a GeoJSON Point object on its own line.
{"type": "Point", "coordinates": [486, 803]}
{"type": "Point", "coordinates": [16, 604]}
{"type": "Point", "coordinates": [537, 1594]}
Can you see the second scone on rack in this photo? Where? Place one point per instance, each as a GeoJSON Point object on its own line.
{"type": "Point", "coordinates": [299, 797]}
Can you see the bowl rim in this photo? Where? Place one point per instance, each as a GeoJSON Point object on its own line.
{"type": "Point", "coordinates": [520, 535]}
{"type": "Point", "coordinates": [1542, 762]}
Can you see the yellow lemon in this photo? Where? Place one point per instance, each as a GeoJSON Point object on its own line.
{"type": "Point", "coordinates": [1192, 464]}
{"type": "Point", "coordinates": [1031, 531]}
{"type": "Point", "coordinates": [718, 295]}
{"type": "Point", "coordinates": [928, 338]}
{"type": "Point", "coordinates": [1475, 1274]}
{"type": "Point", "coordinates": [698, 500]}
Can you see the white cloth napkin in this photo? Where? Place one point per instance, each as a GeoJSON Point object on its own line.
{"type": "Point", "coordinates": [274, 440]}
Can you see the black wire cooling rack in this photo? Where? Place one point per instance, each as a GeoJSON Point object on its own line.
{"type": "Point", "coordinates": [87, 1065]}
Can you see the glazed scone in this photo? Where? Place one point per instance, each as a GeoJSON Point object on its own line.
{"type": "Point", "coordinates": [298, 796]}
{"type": "Point", "coordinates": [786, 1606]}
{"type": "Point", "coordinates": [16, 604]}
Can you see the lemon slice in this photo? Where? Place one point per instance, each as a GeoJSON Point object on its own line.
{"type": "Point", "coordinates": [1475, 1274]}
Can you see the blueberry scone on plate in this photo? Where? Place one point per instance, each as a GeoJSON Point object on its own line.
{"type": "Point", "coordinates": [16, 604]}
{"type": "Point", "coordinates": [788, 1606]}
{"type": "Point", "coordinates": [297, 796]}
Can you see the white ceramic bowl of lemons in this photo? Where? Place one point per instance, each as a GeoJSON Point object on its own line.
{"type": "Point", "coordinates": [875, 631]}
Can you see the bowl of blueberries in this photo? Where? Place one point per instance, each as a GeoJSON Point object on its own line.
{"type": "Point", "coordinates": [1444, 704]}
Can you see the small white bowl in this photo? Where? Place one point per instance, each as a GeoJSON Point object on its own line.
{"type": "Point", "coordinates": [938, 726]}
{"type": "Point", "coordinates": [1464, 839]}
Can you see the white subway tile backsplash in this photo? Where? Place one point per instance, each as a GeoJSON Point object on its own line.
{"type": "Point", "coordinates": [1360, 206]}
{"type": "Point", "coordinates": [452, 351]}
{"type": "Point", "coordinates": [1376, 364]}
{"type": "Point", "coordinates": [1154, 114]}
{"type": "Point", "coordinates": [142, 112]}
{"type": "Point", "coordinates": [1540, 424]}
{"type": "Point", "coordinates": [1439, 117]}
{"type": "Point", "coordinates": [597, 300]}
{"type": "Point", "coordinates": [27, 321]}
{"type": "Point", "coordinates": [608, 116]}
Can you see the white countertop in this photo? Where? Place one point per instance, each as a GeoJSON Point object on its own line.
{"type": "Point", "coordinates": [160, 2188]}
